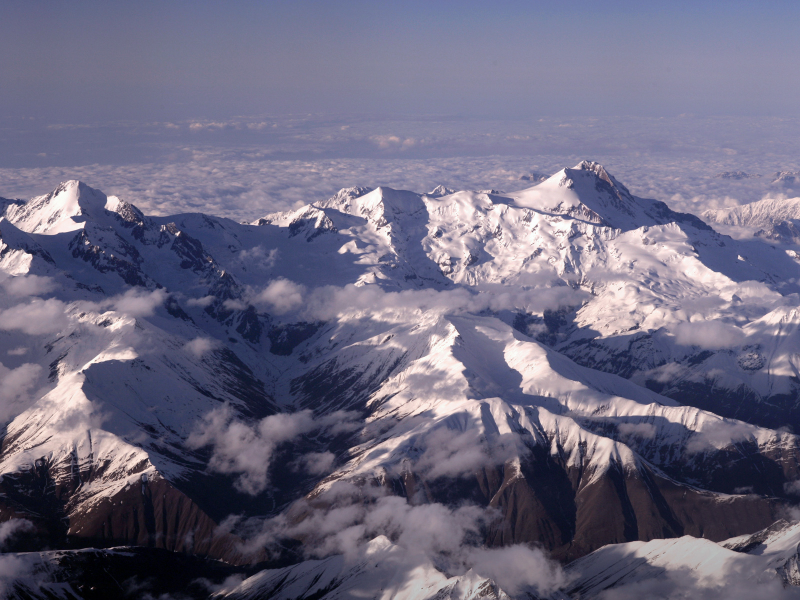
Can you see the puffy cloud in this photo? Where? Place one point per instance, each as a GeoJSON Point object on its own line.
{"type": "Point", "coordinates": [16, 386]}
{"type": "Point", "coordinates": [200, 346]}
{"type": "Point", "coordinates": [15, 569]}
{"type": "Point", "coordinates": [449, 453]}
{"type": "Point", "coordinates": [345, 517]}
{"type": "Point", "coordinates": [317, 463]}
{"type": "Point", "coordinates": [719, 433]}
{"type": "Point", "coordinates": [247, 450]}
{"type": "Point", "coordinates": [710, 335]}
{"type": "Point", "coordinates": [281, 296]}
{"type": "Point", "coordinates": [138, 303]}
{"type": "Point", "coordinates": [793, 489]}
{"type": "Point", "coordinates": [517, 568]}
{"type": "Point", "coordinates": [13, 528]}
{"type": "Point", "coordinates": [641, 430]}
{"type": "Point", "coordinates": [28, 285]}
{"type": "Point", "coordinates": [201, 302]}
{"type": "Point", "coordinates": [36, 317]}
{"type": "Point", "coordinates": [259, 256]}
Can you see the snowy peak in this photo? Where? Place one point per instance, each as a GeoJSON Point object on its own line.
{"type": "Point", "coordinates": [440, 191]}
{"type": "Point", "coordinates": [63, 209]}
{"type": "Point", "coordinates": [756, 214]}
{"type": "Point", "coordinates": [774, 219]}
{"type": "Point", "coordinates": [343, 199]}
{"type": "Point", "coordinates": [761, 565]}
{"type": "Point", "coordinates": [131, 215]}
{"type": "Point", "coordinates": [379, 206]}
{"type": "Point", "coordinates": [588, 168]}
{"type": "Point", "coordinates": [588, 192]}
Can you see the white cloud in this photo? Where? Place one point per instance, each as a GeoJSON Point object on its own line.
{"type": "Point", "coordinates": [324, 303]}
{"type": "Point", "coordinates": [317, 463]}
{"type": "Point", "coordinates": [246, 450]}
{"type": "Point", "coordinates": [642, 430]}
{"type": "Point", "coordinates": [517, 568]}
{"type": "Point", "coordinates": [792, 487]}
{"type": "Point", "coordinates": [651, 156]}
{"type": "Point", "coordinates": [138, 303]}
{"type": "Point", "coordinates": [201, 302]}
{"type": "Point", "coordinates": [28, 285]}
{"type": "Point", "coordinates": [449, 453]}
{"type": "Point", "coordinates": [259, 256]}
{"type": "Point", "coordinates": [281, 296]}
{"type": "Point", "coordinates": [36, 317]}
{"type": "Point", "coordinates": [13, 528]}
{"type": "Point", "coordinates": [710, 335]}
{"type": "Point", "coordinates": [344, 517]}
{"type": "Point", "coordinates": [200, 346]}
{"type": "Point", "coordinates": [719, 433]}
{"type": "Point", "coordinates": [18, 351]}
{"type": "Point", "coordinates": [14, 568]}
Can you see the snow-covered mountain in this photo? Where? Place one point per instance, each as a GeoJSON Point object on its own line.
{"type": "Point", "coordinates": [579, 366]}
{"type": "Point", "coordinates": [773, 219]}
{"type": "Point", "coordinates": [761, 565]}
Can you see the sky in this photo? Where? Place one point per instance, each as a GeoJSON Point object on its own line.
{"type": "Point", "coordinates": [162, 100]}
{"type": "Point", "coordinates": [168, 60]}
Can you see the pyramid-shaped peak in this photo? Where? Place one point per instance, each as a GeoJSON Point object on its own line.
{"type": "Point", "coordinates": [594, 167]}
{"type": "Point", "coordinates": [342, 199]}
{"type": "Point", "coordinates": [440, 191]}
{"type": "Point", "coordinates": [392, 200]}
{"type": "Point", "coordinates": [378, 205]}
{"type": "Point", "coordinates": [63, 209]}
{"type": "Point", "coordinates": [589, 192]}
{"type": "Point", "coordinates": [594, 170]}
{"type": "Point", "coordinates": [73, 195]}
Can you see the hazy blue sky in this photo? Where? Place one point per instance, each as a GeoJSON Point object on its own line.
{"type": "Point", "coordinates": [99, 60]}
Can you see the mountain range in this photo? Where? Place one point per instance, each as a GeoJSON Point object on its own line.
{"type": "Point", "coordinates": [553, 393]}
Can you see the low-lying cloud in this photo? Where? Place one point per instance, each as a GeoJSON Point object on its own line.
{"type": "Point", "coordinates": [200, 346]}
{"type": "Point", "coordinates": [282, 296]}
{"type": "Point", "coordinates": [719, 433]}
{"type": "Point", "coordinates": [16, 387]}
{"type": "Point", "coordinates": [346, 517]}
{"type": "Point", "coordinates": [246, 450]}
{"type": "Point", "coordinates": [36, 317]}
{"type": "Point", "coordinates": [709, 335]}
{"type": "Point", "coordinates": [27, 285]}
{"type": "Point", "coordinates": [449, 453]}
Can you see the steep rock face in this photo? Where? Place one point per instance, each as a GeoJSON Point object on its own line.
{"type": "Point", "coordinates": [571, 517]}
{"type": "Point", "coordinates": [147, 511]}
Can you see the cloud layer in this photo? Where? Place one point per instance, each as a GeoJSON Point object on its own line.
{"type": "Point", "coordinates": [245, 168]}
